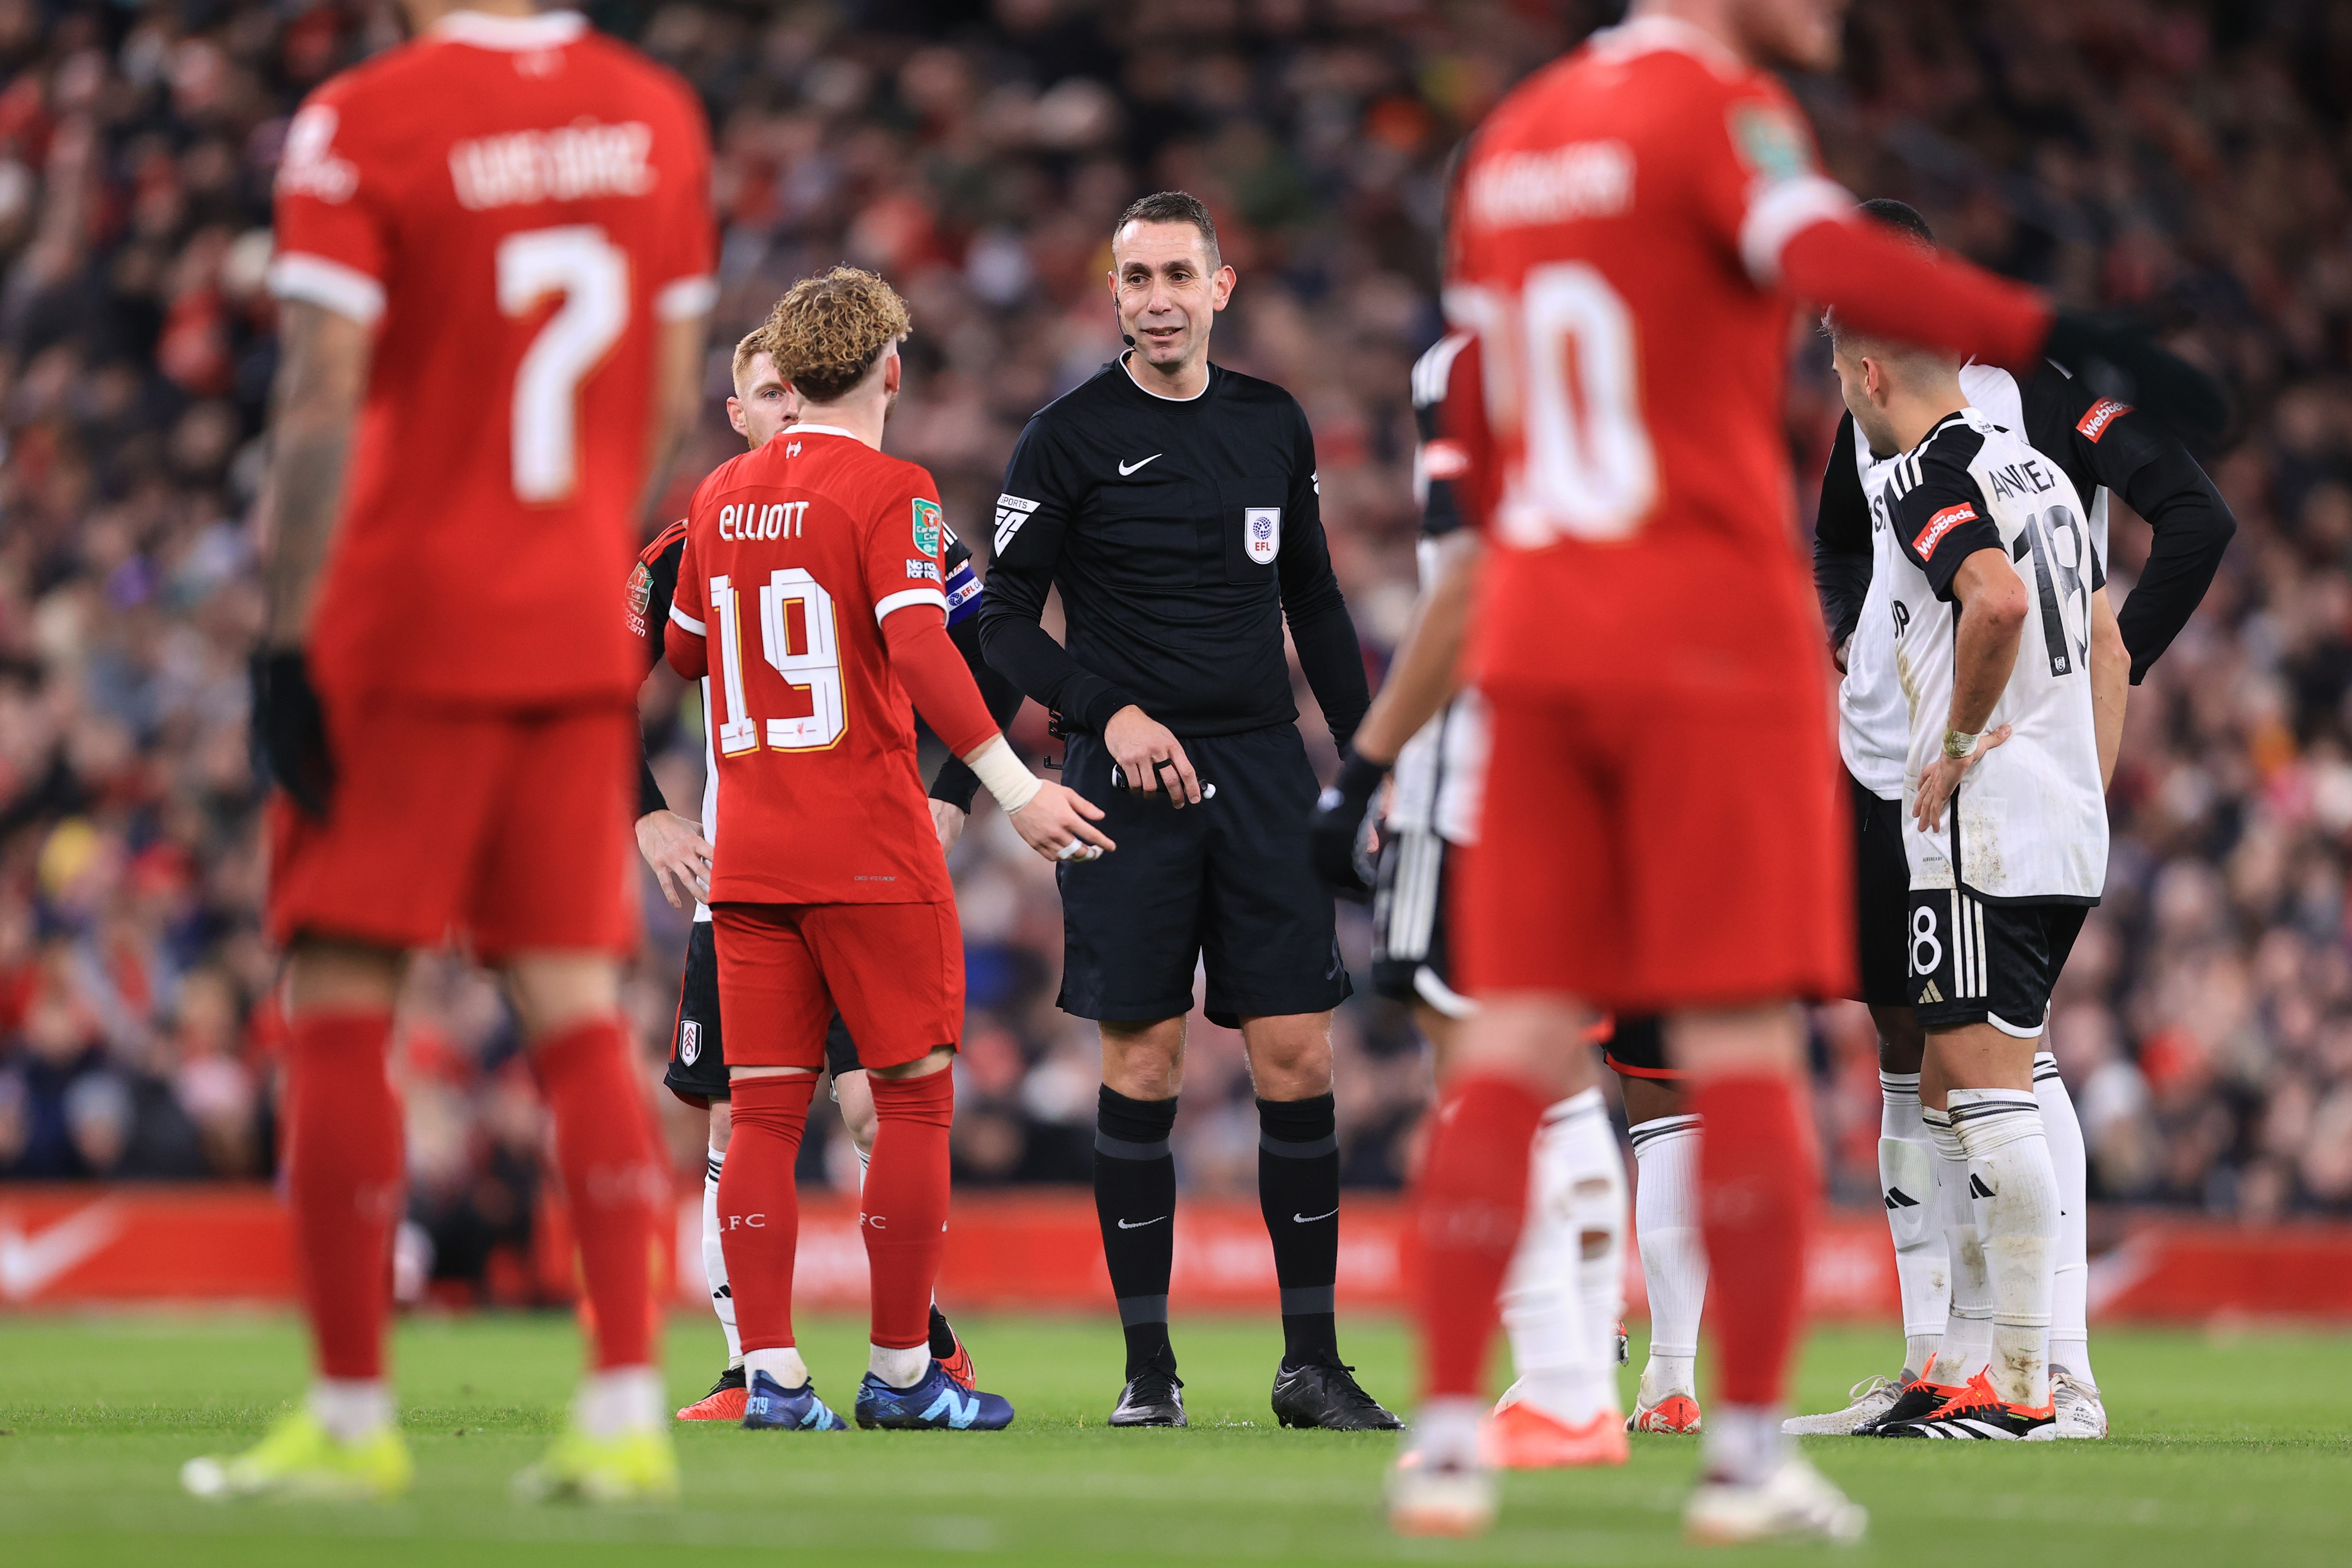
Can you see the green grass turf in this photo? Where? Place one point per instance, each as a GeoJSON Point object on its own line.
{"type": "Point", "coordinates": [2227, 1450]}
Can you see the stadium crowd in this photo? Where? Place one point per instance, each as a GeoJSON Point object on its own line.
{"type": "Point", "coordinates": [2189, 161]}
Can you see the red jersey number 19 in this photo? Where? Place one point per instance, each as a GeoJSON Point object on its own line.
{"type": "Point", "coordinates": [803, 648]}
{"type": "Point", "coordinates": [591, 274]}
{"type": "Point", "coordinates": [1563, 375]}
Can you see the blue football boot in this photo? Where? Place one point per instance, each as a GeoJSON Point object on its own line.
{"type": "Point", "coordinates": [937, 1404]}
{"type": "Point", "coordinates": [771, 1407]}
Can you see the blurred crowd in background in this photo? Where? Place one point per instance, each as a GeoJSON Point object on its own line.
{"type": "Point", "coordinates": [2187, 160]}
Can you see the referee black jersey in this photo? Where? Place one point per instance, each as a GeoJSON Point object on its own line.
{"type": "Point", "coordinates": [1182, 534]}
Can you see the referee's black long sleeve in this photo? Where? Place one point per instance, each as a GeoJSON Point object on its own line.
{"type": "Point", "coordinates": [1842, 539]}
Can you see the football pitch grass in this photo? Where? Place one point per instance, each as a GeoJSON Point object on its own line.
{"type": "Point", "coordinates": [2227, 1449]}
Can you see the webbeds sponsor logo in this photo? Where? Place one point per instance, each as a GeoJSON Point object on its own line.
{"type": "Point", "coordinates": [1942, 523]}
{"type": "Point", "coordinates": [2098, 416]}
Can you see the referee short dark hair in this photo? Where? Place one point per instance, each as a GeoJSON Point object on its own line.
{"type": "Point", "coordinates": [1173, 207]}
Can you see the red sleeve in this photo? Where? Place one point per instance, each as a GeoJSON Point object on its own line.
{"type": "Point", "coordinates": [685, 641]}
{"type": "Point", "coordinates": [685, 267]}
{"type": "Point", "coordinates": [903, 548]}
{"type": "Point", "coordinates": [929, 665]}
{"type": "Point", "coordinates": [1758, 188]}
{"type": "Point", "coordinates": [334, 226]}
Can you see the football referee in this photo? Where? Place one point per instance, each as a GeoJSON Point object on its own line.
{"type": "Point", "coordinates": [1173, 503]}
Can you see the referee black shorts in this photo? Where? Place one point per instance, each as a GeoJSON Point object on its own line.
{"type": "Point", "coordinates": [1881, 893]}
{"type": "Point", "coordinates": [697, 1056]}
{"type": "Point", "coordinates": [1224, 884]}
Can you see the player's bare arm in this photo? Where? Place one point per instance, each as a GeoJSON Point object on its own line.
{"type": "Point", "coordinates": [2111, 673]}
{"type": "Point", "coordinates": [1427, 670]}
{"type": "Point", "coordinates": [679, 854]}
{"type": "Point", "coordinates": [1992, 618]}
{"type": "Point", "coordinates": [677, 400]}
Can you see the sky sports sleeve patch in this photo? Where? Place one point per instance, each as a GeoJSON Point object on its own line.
{"type": "Point", "coordinates": [1938, 524]}
{"type": "Point", "coordinates": [2098, 416]}
{"type": "Point", "coordinates": [928, 525]}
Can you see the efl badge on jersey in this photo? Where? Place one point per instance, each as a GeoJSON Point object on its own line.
{"type": "Point", "coordinates": [1262, 533]}
{"type": "Point", "coordinates": [928, 525]}
{"type": "Point", "coordinates": [689, 1042]}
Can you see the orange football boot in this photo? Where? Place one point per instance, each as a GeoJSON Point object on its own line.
{"type": "Point", "coordinates": [1676, 1413]}
{"type": "Point", "coordinates": [1518, 1436]}
{"type": "Point", "coordinates": [723, 1403]}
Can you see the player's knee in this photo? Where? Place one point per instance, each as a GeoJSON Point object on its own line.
{"type": "Point", "coordinates": [553, 992]}
{"type": "Point", "coordinates": [325, 975]}
{"type": "Point", "coordinates": [1901, 1043]}
{"type": "Point", "coordinates": [1768, 1039]}
{"type": "Point", "coordinates": [1538, 1040]}
{"type": "Point", "coordinates": [1144, 1061]}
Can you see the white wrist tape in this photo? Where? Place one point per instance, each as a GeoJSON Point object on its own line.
{"type": "Point", "coordinates": [1013, 785]}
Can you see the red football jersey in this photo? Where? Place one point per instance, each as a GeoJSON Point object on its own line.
{"type": "Point", "coordinates": [515, 205]}
{"type": "Point", "coordinates": [1617, 233]}
{"type": "Point", "coordinates": [795, 554]}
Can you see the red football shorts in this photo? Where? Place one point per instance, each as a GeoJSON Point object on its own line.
{"type": "Point", "coordinates": [894, 970]}
{"type": "Point", "coordinates": [1648, 855]}
{"type": "Point", "coordinates": [509, 830]}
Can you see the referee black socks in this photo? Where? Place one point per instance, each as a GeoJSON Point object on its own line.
{"type": "Point", "coordinates": [1298, 1189]}
{"type": "Point", "coordinates": [1135, 1201]}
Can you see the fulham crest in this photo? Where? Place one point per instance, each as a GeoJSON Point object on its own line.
{"type": "Point", "coordinates": [1262, 533]}
{"type": "Point", "coordinates": [689, 1042]}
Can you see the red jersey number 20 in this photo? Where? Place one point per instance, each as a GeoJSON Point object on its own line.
{"type": "Point", "coordinates": [1563, 398]}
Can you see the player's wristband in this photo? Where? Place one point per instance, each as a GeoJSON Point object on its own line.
{"type": "Point", "coordinates": [1013, 785]}
{"type": "Point", "coordinates": [1959, 745]}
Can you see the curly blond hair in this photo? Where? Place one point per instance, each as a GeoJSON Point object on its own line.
{"type": "Point", "coordinates": [826, 332]}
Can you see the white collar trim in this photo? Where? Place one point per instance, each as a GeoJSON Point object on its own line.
{"type": "Point", "coordinates": [547, 30]}
{"type": "Point", "coordinates": [1147, 392]}
{"type": "Point", "coordinates": [1646, 34]}
{"type": "Point", "coordinates": [819, 430]}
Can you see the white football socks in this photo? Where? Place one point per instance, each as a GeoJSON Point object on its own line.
{"type": "Point", "coordinates": [1673, 1251]}
{"type": "Point", "coordinates": [2016, 1196]}
{"type": "Point", "coordinates": [1907, 1186]}
{"type": "Point", "coordinates": [898, 1368]}
{"type": "Point", "coordinates": [624, 1399]}
{"type": "Point", "coordinates": [2070, 1331]}
{"type": "Point", "coordinates": [1560, 1306]}
{"type": "Point", "coordinates": [350, 1408]}
{"type": "Point", "coordinates": [784, 1365]}
{"type": "Point", "coordinates": [1966, 1346]}
{"type": "Point", "coordinates": [714, 1261]}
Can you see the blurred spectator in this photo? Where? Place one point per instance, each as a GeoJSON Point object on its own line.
{"type": "Point", "coordinates": [2188, 159]}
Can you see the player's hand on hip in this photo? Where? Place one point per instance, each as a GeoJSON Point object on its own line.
{"type": "Point", "coordinates": [1941, 780]}
{"type": "Point", "coordinates": [678, 854]}
{"type": "Point", "coordinates": [1150, 756]}
{"type": "Point", "coordinates": [947, 821]}
{"type": "Point", "coordinates": [289, 728]}
{"type": "Point", "coordinates": [1057, 823]}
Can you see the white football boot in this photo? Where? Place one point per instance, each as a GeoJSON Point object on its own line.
{"type": "Point", "coordinates": [2078, 1410]}
{"type": "Point", "coordinates": [1867, 1401]}
{"type": "Point", "coordinates": [1797, 1503]}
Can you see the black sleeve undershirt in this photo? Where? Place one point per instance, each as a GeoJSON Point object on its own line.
{"type": "Point", "coordinates": [1841, 556]}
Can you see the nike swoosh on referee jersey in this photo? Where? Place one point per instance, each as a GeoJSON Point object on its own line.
{"type": "Point", "coordinates": [1127, 468]}
{"type": "Point", "coordinates": [1140, 1224]}
{"type": "Point", "coordinates": [1296, 1219]}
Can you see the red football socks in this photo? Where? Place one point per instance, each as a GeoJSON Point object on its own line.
{"type": "Point", "coordinates": [613, 1180]}
{"type": "Point", "coordinates": [759, 1210]}
{"type": "Point", "coordinates": [905, 1209]}
{"type": "Point", "coordinates": [343, 1185]}
{"type": "Point", "coordinates": [1757, 1175]}
{"type": "Point", "coordinates": [1467, 1216]}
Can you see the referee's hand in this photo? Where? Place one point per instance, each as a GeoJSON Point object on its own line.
{"type": "Point", "coordinates": [1056, 824]}
{"type": "Point", "coordinates": [1150, 756]}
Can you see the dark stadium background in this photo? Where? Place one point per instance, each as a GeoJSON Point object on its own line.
{"type": "Point", "coordinates": [2187, 160]}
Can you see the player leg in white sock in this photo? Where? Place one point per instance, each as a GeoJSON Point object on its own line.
{"type": "Point", "coordinates": [1560, 1298]}
{"type": "Point", "coordinates": [714, 1257]}
{"type": "Point", "coordinates": [2015, 1192]}
{"type": "Point", "coordinates": [2070, 1335]}
{"type": "Point", "coordinates": [1965, 1348]}
{"type": "Point", "coordinates": [1907, 1183]}
{"type": "Point", "coordinates": [1673, 1268]}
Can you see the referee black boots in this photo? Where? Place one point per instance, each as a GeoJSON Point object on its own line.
{"type": "Point", "coordinates": [1326, 1394]}
{"type": "Point", "coordinates": [1152, 1398]}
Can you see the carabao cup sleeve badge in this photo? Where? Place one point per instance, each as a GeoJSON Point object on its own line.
{"type": "Point", "coordinates": [1262, 533]}
{"type": "Point", "coordinates": [926, 526]}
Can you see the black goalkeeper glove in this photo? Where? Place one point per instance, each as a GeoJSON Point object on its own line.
{"type": "Point", "coordinates": [289, 728]}
{"type": "Point", "coordinates": [1336, 841]}
{"type": "Point", "coordinates": [2119, 357]}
